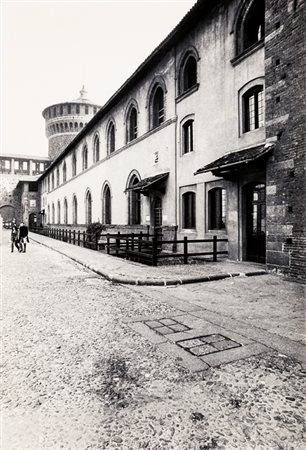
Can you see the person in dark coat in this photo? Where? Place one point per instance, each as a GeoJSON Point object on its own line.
{"type": "Point", "coordinates": [23, 237]}
{"type": "Point", "coordinates": [14, 237]}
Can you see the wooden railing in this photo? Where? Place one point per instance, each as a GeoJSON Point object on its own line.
{"type": "Point", "coordinates": [141, 247]}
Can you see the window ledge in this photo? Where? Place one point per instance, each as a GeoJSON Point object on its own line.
{"type": "Point", "coordinates": [187, 153]}
{"type": "Point", "coordinates": [246, 53]}
{"type": "Point", "coordinates": [187, 93]}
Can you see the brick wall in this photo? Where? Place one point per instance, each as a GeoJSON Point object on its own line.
{"type": "Point", "coordinates": [10, 195]}
{"type": "Point", "coordinates": [57, 143]}
{"type": "Point", "coordinates": [285, 125]}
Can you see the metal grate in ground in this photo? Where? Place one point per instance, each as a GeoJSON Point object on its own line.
{"type": "Point", "coordinates": [166, 326]}
{"type": "Point", "coordinates": [205, 345]}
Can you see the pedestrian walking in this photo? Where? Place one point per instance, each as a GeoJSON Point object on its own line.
{"type": "Point", "coordinates": [23, 237]}
{"type": "Point", "coordinates": [14, 238]}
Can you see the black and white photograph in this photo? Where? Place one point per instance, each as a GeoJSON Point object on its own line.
{"type": "Point", "coordinates": [153, 225]}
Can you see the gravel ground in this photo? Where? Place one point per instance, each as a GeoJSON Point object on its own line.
{"type": "Point", "coordinates": [75, 376]}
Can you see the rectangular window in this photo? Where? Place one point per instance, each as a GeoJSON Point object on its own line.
{"type": "Point", "coordinates": [78, 109]}
{"type": "Point", "coordinates": [86, 109]}
{"type": "Point", "coordinates": [188, 210]}
{"type": "Point", "coordinates": [217, 209]}
{"type": "Point", "coordinates": [41, 167]}
{"type": "Point", "coordinates": [25, 165]}
{"type": "Point", "coordinates": [7, 164]}
{"type": "Point", "coordinates": [253, 104]}
{"type": "Point", "coordinates": [69, 109]}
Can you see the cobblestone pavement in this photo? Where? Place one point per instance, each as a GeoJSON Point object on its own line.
{"type": "Point", "coordinates": [76, 376]}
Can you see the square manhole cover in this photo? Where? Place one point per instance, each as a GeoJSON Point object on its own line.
{"type": "Point", "coordinates": [166, 326]}
{"type": "Point", "coordinates": [204, 345]}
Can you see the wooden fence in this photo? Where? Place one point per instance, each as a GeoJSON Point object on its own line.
{"type": "Point", "coordinates": [141, 247]}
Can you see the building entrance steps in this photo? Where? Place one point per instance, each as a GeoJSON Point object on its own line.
{"type": "Point", "coordinates": [119, 270]}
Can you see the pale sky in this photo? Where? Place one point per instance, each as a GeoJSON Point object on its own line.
{"type": "Point", "coordinates": [50, 49]}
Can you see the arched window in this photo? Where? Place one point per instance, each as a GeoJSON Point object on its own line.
{"type": "Point", "coordinates": [187, 136]}
{"type": "Point", "coordinates": [188, 210]}
{"type": "Point", "coordinates": [65, 211]}
{"type": "Point", "coordinates": [134, 203]}
{"type": "Point", "coordinates": [74, 164]}
{"type": "Point", "coordinates": [52, 180]}
{"type": "Point", "coordinates": [62, 126]}
{"type": "Point", "coordinates": [76, 125]}
{"type": "Point", "coordinates": [81, 125]}
{"type": "Point", "coordinates": [49, 183]}
{"type": "Point", "coordinates": [216, 209]}
{"type": "Point", "coordinates": [253, 109]}
{"type": "Point", "coordinates": [111, 138]}
{"type": "Point", "coordinates": [57, 176]}
{"type": "Point", "coordinates": [53, 213]}
{"type": "Point", "coordinates": [131, 131]}
{"type": "Point", "coordinates": [64, 172]}
{"type": "Point", "coordinates": [74, 210]}
{"type": "Point", "coordinates": [188, 73]}
{"type": "Point", "coordinates": [157, 109]}
{"type": "Point", "coordinates": [107, 206]}
{"type": "Point", "coordinates": [96, 152]}
{"type": "Point", "coordinates": [88, 208]}
{"type": "Point", "coordinates": [58, 212]}
{"type": "Point", "coordinates": [250, 26]}
{"type": "Point", "coordinates": [71, 126]}
{"type": "Point", "coordinates": [85, 158]}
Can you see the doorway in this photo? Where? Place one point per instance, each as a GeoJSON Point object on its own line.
{"type": "Point", "coordinates": [256, 222]}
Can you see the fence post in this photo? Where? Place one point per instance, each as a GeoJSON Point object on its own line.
{"type": "Point", "coordinates": [107, 243]}
{"type": "Point", "coordinates": [185, 250]}
{"type": "Point", "coordinates": [69, 236]}
{"type": "Point", "coordinates": [79, 238]}
{"type": "Point", "coordinates": [154, 251]}
{"type": "Point", "coordinates": [132, 241]}
{"type": "Point", "coordinates": [118, 243]}
{"type": "Point", "coordinates": [127, 244]}
{"type": "Point", "coordinates": [84, 236]}
{"type": "Point", "coordinates": [214, 248]}
{"type": "Point", "coordinates": [140, 241]}
{"type": "Point", "coordinates": [96, 241]}
{"type": "Point", "coordinates": [73, 237]}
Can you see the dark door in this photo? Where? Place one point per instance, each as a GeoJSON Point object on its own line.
{"type": "Point", "coordinates": [158, 213]}
{"type": "Point", "coordinates": [256, 223]}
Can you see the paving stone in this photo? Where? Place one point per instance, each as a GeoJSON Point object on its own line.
{"type": "Point", "coordinates": [201, 350]}
{"type": "Point", "coordinates": [145, 331]}
{"type": "Point", "coordinates": [153, 324]}
{"type": "Point", "coordinates": [168, 321]}
{"type": "Point", "coordinates": [178, 327]}
{"type": "Point", "coordinates": [230, 355]}
{"type": "Point", "coordinates": [190, 343]}
{"type": "Point", "coordinates": [212, 338]}
{"type": "Point", "coordinates": [225, 344]}
{"type": "Point", "coordinates": [163, 330]}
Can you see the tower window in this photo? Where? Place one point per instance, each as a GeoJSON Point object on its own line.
{"type": "Point", "coordinates": [86, 109]}
{"type": "Point", "coordinates": [69, 109]}
{"type": "Point", "coordinates": [78, 109]}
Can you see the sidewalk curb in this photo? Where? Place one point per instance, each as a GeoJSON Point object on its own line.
{"type": "Point", "coordinates": [155, 282]}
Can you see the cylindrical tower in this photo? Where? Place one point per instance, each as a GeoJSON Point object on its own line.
{"type": "Point", "coordinates": [65, 120]}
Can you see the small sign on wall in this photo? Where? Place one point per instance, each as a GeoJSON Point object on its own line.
{"type": "Point", "coordinates": [32, 203]}
{"type": "Point", "coordinates": [155, 158]}
{"type": "Point", "coordinates": [147, 218]}
{"type": "Point", "coordinates": [165, 218]}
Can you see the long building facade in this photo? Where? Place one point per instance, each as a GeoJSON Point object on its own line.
{"type": "Point", "coordinates": [206, 138]}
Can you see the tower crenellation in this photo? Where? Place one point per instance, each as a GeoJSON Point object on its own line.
{"type": "Point", "coordinates": [63, 121]}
